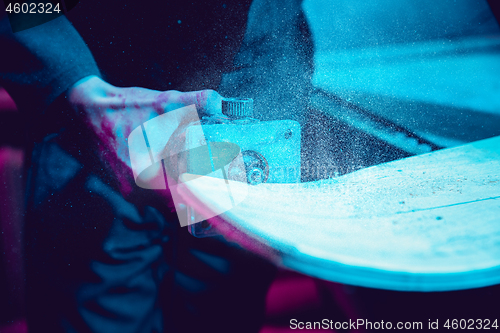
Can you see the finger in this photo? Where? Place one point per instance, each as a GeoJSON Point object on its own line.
{"type": "Point", "coordinates": [207, 102]}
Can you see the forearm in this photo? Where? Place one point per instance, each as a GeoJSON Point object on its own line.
{"type": "Point", "coordinates": [41, 63]}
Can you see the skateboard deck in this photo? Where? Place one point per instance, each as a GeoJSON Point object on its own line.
{"type": "Point", "coordinates": [425, 223]}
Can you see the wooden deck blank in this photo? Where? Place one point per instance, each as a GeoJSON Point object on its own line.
{"type": "Point", "coordinates": [425, 223]}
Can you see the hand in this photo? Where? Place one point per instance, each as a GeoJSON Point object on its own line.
{"type": "Point", "coordinates": [113, 112]}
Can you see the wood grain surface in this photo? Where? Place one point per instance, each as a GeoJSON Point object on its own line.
{"type": "Point", "coordinates": [425, 223]}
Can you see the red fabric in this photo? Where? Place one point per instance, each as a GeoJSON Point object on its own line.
{"type": "Point", "coordinates": [18, 326]}
{"type": "Point", "coordinates": [6, 103]}
{"type": "Point", "coordinates": [296, 296]}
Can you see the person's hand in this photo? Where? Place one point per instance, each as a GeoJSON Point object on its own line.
{"type": "Point", "coordinates": [113, 113]}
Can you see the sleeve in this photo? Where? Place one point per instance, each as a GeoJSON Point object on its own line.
{"type": "Point", "coordinates": [274, 65]}
{"type": "Point", "coordinates": [39, 64]}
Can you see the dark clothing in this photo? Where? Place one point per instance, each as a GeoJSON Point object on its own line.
{"type": "Point", "coordinates": [101, 262]}
{"type": "Point", "coordinates": [98, 262]}
{"type": "Point", "coordinates": [39, 64]}
{"type": "Point", "coordinates": [275, 63]}
{"type": "Point", "coordinates": [162, 45]}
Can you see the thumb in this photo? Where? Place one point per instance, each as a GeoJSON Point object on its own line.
{"type": "Point", "coordinates": [208, 102]}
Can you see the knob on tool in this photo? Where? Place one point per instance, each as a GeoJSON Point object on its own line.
{"type": "Point", "coordinates": [237, 107]}
{"type": "Point", "coordinates": [270, 152]}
